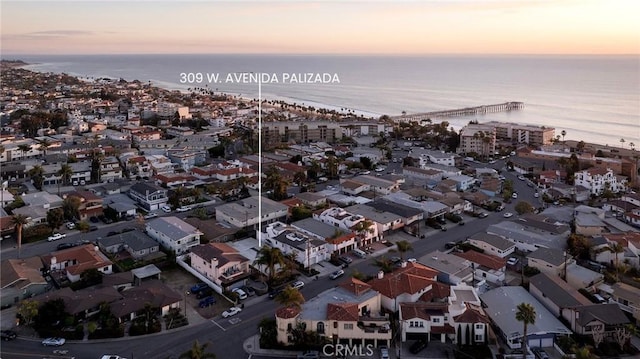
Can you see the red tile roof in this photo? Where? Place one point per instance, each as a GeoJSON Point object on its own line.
{"type": "Point", "coordinates": [342, 312]}
{"type": "Point", "coordinates": [287, 312]}
{"type": "Point", "coordinates": [411, 279]}
{"type": "Point", "coordinates": [355, 286]}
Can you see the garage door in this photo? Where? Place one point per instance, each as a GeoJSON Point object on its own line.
{"type": "Point", "coordinates": [546, 342]}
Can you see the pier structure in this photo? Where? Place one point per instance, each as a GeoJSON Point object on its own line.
{"type": "Point", "coordinates": [468, 111]}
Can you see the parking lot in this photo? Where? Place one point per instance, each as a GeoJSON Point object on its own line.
{"type": "Point", "coordinates": [181, 282]}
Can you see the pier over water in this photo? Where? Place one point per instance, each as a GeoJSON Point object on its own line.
{"type": "Point", "coordinates": [468, 111]}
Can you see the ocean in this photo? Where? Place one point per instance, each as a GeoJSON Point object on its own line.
{"type": "Point", "coordinates": [592, 98]}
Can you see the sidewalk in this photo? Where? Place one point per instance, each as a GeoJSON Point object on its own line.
{"type": "Point", "coordinates": [251, 345]}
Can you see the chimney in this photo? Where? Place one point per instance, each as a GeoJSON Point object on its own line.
{"type": "Point", "coordinates": [380, 274]}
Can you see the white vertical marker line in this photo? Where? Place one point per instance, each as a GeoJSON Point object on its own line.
{"type": "Point", "coordinates": [259, 162]}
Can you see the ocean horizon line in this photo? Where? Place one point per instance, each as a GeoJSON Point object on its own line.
{"type": "Point", "coordinates": [293, 54]}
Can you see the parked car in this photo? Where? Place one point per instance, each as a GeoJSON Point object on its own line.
{"type": "Point", "coordinates": [54, 342]}
{"type": "Point", "coordinates": [514, 195]}
{"type": "Point", "coordinates": [274, 293]}
{"type": "Point", "coordinates": [540, 353]}
{"type": "Point", "coordinates": [55, 237]}
{"type": "Point", "coordinates": [204, 293]}
{"type": "Point", "coordinates": [93, 228]}
{"type": "Point", "coordinates": [411, 260]}
{"type": "Point", "coordinates": [250, 291]}
{"type": "Point", "coordinates": [513, 261]}
{"type": "Point", "coordinates": [113, 233]}
{"type": "Point", "coordinates": [166, 208]}
{"type": "Point", "coordinates": [508, 215]}
{"type": "Point", "coordinates": [198, 287]}
{"type": "Point", "coordinates": [70, 225]}
{"type": "Point", "coordinates": [151, 215]}
{"type": "Point", "coordinates": [9, 335]}
{"type": "Point", "coordinates": [208, 301]}
{"type": "Point", "coordinates": [65, 246]}
{"type": "Point", "coordinates": [94, 219]}
{"type": "Point", "coordinates": [384, 352]}
{"type": "Point", "coordinates": [416, 347]}
{"type": "Point", "coordinates": [129, 229]}
{"type": "Point", "coordinates": [241, 294]}
{"type": "Point", "coordinates": [231, 311]}
{"type": "Point", "coordinates": [184, 209]}
{"type": "Point", "coordinates": [345, 259]}
{"type": "Point", "coordinates": [337, 274]}
{"type": "Point", "coordinates": [110, 356]}
{"type": "Point", "coordinates": [297, 284]}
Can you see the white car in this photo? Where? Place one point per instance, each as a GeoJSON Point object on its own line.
{"type": "Point", "coordinates": [411, 260]}
{"type": "Point", "coordinates": [151, 215]}
{"type": "Point", "coordinates": [231, 311]}
{"type": "Point", "coordinates": [110, 356]}
{"type": "Point", "coordinates": [55, 237]}
{"type": "Point", "coordinates": [337, 274]}
{"type": "Point", "coordinates": [512, 261]}
{"type": "Point", "coordinates": [521, 178]}
{"type": "Point", "coordinates": [53, 342]}
{"type": "Point", "coordinates": [297, 284]}
{"type": "Point", "coordinates": [184, 209]}
{"type": "Point", "coordinates": [514, 195]}
{"type": "Point", "coordinates": [536, 195]}
{"type": "Point", "coordinates": [166, 208]}
{"type": "Point", "coordinates": [241, 294]}
{"type": "Point", "coordinates": [508, 215]}
{"type": "Point", "coordinates": [70, 225]}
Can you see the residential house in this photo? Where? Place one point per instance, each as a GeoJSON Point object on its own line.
{"type": "Point", "coordinates": [492, 244]}
{"type": "Point", "coordinates": [306, 249]}
{"type": "Point", "coordinates": [439, 321]}
{"type": "Point", "coordinates": [220, 263]}
{"type": "Point", "coordinates": [311, 199]}
{"type": "Point", "coordinates": [90, 204]}
{"type": "Point", "coordinates": [405, 284]}
{"type": "Point", "coordinates": [501, 304]}
{"type": "Point", "coordinates": [148, 196]}
{"type": "Point", "coordinates": [212, 231]}
{"type": "Point", "coordinates": [627, 242]}
{"type": "Point", "coordinates": [349, 314]}
{"type": "Point", "coordinates": [408, 215]}
{"type": "Point", "coordinates": [152, 292]}
{"type": "Point", "coordinates": [244, 213]}
{"type": "Point", "coordinates": [173, 234]}
{"type": "Point", "coordinates": [549, 260]}
{"type": "Point", "coordinates": [340, 240]}
{"type": "Point", "coordinates": [451, 269]}
{"type": "Point", "coordinates": [597, 180]}
{"type": "Point", "coordinates": [383, 220]}
{"type": "Point", "coordinates": [72, 262]}
{"type": "Point", "coordinates": [21, 279]}
{"type": "Point", "coordinates": [137, 244]}
{"type": "Point", "coordinates": [555, 294]}
{"type": "Point", "coordinates": [627, 297]}
{"type": "Point", "coordinates": [338, 217]}
{"type": "Point", "coordinates": [485, 266]}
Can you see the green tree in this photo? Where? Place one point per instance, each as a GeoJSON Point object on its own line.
{"type": "Point", "coordinates": [28, 310]}
{"type": "Point", "coordinates": [384, 264]}
{"type": "Point", "coordinates": [91, 277]}
{"type": "Point", "coordinates": [616, 248]}
{"type": "Point", "coordinates": [275, 182]}
{"type": "Point", "coordinates": [37, 176]}
{"type": "Point", "coordinates": [300, 212]}
{"type": "Point", "coordinates": [333, 165]}
{"type": "Point", "coordinates": [270, 258]}
{"type": "Point", "coordinates": [290, 297]}
{"type": "Point", "coordinates": [18, 221]}
{"type": "Point", "coordinates": [198, 351]}
{"type": "Point", "coordinates": [44, 145]}
{"type": "Point", "coordinates": [71, 206]}
{"type": "Point", "coordinates": [523, 207]}
{"type": "Point", "coordinates": [24, 148]}
{"type": "Point", "coordinates": [83, 226]}
{"type": "Point", "coordinates": [526, 314]}
{"type": "Point", "coordinates": [299, 178]}
{"type": "Point", "coordinates": [403, 247]}
{"type": "Point", "coordinates": [55, 218]}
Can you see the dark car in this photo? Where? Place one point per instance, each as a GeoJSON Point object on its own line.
{"type": "Point", "coordinates": [208, 301]}
{"type": "Point", "coordinates": [9, 335]}
{"type": "Point", "coordinates": [65, 245]}
{"type": "Point", "coordinates": [250, 291]}
{"type": "Point", "coordinates": [345, 260]}
{"type": "Point", "coordinates": [417, 347]}
{"type": "Point", "coordinates": [128, 230]}
{"type": "Point", "coordinates": [112, 233]}
{"type": "Point", "coordinates": [204, 293]}
{"type": "Point", "coordinates": [198, 287]}
{"type": "Point", "coordinates": [94, 219]}
{"type": "Point", "coordinates": [450, 245]}
{"type": "Point", "coordinates": [274, 293]}
{"type": "Point", "coordinates": [93, 228]}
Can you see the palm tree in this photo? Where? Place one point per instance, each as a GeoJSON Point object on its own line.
{"type": "Point", "coordinates": [270, 257]}
{"type": "Point", "coordinates": [300, 178]}
{"type": "Point", "coordinates": [384, 264]}
{"type": "Point", "coordinates": [65, 173]}
{"type": "Point", "coordinates": [290, 297]}
{"type": "Point", "coordinates": [362, 228]}
{"type": "Point", "coordinates": [403, 247]}
{"type": "Point", "coordinates": [527, 315]}
{"type": "Point", "coordinates": [197, 351]}
{"type": "Point", "coordinates": [37, 176]}
{"type": "Point", "coordinates": [24, 148]}
{"type": "Point", "coordinates": [622, 141]}
{"type": "Point", "coordinates": [44, 145]}
{"type": "Point", "coordinates": [632, 145]}
{"type": "Point", "coordinates": [18, 221]}
{"type": "Point", "coordinates": [616, 248]}
{"type": "Point", "coordinates": [332, 167]}
{"type": "Point", "coordinates": [563, 133]}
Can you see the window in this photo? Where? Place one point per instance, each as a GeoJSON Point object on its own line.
{"type": "Point", "coordinates": [348, 326]}
{"type": "Point", "coordinates": [320, 328]}
{"type": "Point", "coordinates": [289, 327]}
{"type": "Point", "coordinates": [436, 320]}
{"type": "Point", "coordinates": [478, 337]}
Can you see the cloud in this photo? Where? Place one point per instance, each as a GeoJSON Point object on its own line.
{"type": "Point", "coordinates": [54, 34]}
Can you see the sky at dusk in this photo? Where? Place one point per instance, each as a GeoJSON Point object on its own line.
{"type": "Point", "coordinates": [322, 27]}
